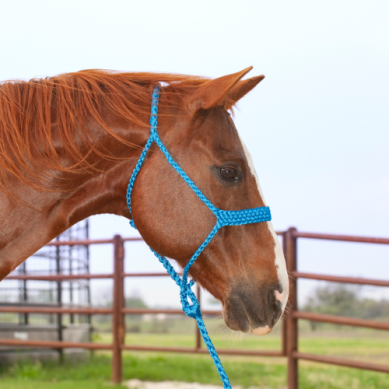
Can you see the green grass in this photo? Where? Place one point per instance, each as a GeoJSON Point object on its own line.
{"type": "Point", "coordinates": [12, 384]}
{"type": "Point", "coordinates": [371, 349]}
{"type": "Point", "coordinates": [265, 373]}
{"type": "Point", "coordinates": [244, 371]}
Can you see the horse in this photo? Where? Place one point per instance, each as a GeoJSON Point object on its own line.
{"type": "Point", "coordinates": [69, 144]}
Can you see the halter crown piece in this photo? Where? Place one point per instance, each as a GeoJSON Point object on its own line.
{"type": "Point", "coordinates": [224, 218]}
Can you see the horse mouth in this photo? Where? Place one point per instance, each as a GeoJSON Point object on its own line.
{"type": "Point", "coordinates": [238, 322]}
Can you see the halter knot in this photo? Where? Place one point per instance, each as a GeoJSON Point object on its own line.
{"type": "Point", "coordinates": [191, 310]}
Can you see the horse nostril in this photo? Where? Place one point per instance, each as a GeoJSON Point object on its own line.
{"type": "Point", "coordinates": [276, 306]}
{"type": "Point", "coordinates": [277, 312]}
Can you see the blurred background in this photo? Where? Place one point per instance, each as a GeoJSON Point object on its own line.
{"type": "Point", "coordinates": [317, 126]}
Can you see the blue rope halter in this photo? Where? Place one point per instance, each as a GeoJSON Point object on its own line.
{"type": "Point", "coordinates": [224, 218]}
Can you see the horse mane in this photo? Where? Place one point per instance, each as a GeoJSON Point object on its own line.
{"type": "Point", "coordinates": [36, 114]}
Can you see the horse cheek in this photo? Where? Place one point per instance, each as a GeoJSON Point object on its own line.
{"type": "Point", "coordinates": [168, 214]}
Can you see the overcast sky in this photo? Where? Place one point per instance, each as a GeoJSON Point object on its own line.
{"type": "Point", "coordinates": [317, 126]}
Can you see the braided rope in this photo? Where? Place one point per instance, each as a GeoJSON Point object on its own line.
{"type": "Point", "coordinates": [189, 302]}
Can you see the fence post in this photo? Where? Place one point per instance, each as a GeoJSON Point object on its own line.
{"type": "Point", "coordinates": [284, 333]}
{"type": "Point", "coordinates": [118, 331]}
{"type": "Point", "coordinates": [59, 299]}
{"type": "Point", "coordinates": [291, 323]}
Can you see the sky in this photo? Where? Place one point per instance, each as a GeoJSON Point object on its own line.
{"type": "Point", "coordinates": [317, 126]}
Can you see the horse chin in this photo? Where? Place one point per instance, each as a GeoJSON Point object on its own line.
{"type": "Point", "coordinates": [261, 330]}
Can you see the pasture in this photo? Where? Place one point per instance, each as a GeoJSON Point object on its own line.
{"type": "Point", "coordinates": [244, 371]}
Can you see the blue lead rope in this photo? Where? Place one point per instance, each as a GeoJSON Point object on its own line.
{"type": "Point", "coordinates": [223, 218]}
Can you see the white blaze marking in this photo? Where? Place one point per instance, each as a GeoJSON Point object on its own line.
{"type": "Point", "coordinates": [279, 255]}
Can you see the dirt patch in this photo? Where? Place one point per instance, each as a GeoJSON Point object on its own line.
{"type": "Point", "coordinates": [138, 384]}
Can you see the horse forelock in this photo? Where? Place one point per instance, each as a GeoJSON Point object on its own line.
{"type": "Point", "coordinates": [38, 114]}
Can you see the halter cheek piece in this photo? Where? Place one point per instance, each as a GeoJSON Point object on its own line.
{"type": "Point", "coordinates": [224, 218]}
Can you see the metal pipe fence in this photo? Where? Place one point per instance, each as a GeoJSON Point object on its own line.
{"type": "Point", "coordinates": [289, 330]}
{"type": "Point", "coordinates": [293, 355]}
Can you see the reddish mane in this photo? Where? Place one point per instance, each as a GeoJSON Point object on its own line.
{"type": "Point", "coordinates": [33, 113]}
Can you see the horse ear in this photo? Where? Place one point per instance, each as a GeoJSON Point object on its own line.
{"type": "Point", "coordinates": [213, 93]}
{"type": "Point", "coordinates": [240, 89]}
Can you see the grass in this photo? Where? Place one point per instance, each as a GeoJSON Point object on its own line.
{"type": "Point", "coordinates": [12, 384]}
{"type": "Point", "coordinates": [370, 349]}
{"type": "Point", "coordinates": [244, 371]}
{"type": "Point", "coordinates": [153, 367]}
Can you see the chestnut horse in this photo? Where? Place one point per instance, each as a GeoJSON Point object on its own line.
{"type": "Point", "coordinates": [69, 144]}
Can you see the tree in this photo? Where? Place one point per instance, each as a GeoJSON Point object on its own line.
{"type": "Point", "coordinates": [134, 322]}
{"type": "Point", "coordinates": [135, 302]}
{"type": "Point", "coordinates": [345, 300]}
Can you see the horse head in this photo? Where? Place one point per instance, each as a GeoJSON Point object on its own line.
{"type": "Point", "coordinates": [68, 152]}
{"type": "Point", "coordinates": [243, 266]}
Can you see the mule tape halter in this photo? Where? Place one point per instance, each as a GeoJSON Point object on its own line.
{"type": "Point", "coordinates": [224, 218]}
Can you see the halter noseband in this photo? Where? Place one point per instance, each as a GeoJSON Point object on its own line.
{"type": "Point", "coordinates": [224, 218]}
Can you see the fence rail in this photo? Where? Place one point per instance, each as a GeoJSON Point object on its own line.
{"type": "Point", "coordinates": [345, 280]}
{"type": "Point", "coordinates": [289, 332]}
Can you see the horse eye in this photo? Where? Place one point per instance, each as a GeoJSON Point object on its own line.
{"type": "Point", "coordinates": [228, 173]}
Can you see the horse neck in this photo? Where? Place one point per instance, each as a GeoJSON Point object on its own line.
{"type": "Point", "coordinates": [29, 224]}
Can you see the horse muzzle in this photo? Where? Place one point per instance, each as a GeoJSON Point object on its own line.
{"type": "Point", "coordinates": [253, 309]}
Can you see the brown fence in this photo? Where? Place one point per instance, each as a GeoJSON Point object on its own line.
{"type": "Point", "coordinates": [289, 333]}
{"type": "Point", "coordinates": [293, 355]}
